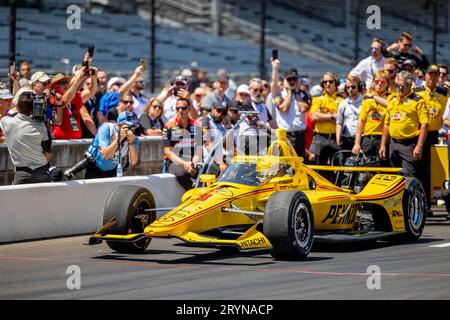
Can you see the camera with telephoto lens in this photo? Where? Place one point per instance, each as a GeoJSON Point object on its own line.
{"type": "Point", "coordinates": [137, 130]}
{"type": "Point", "coordinates": [80, 166]}
{"type": "Point", "coordinates": [39, 107]}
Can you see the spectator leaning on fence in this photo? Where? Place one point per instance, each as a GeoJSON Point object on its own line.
{"type": "Point", "coordinates": [28, 143]}
{"type": "Point", "coordinates": [367, 67]}
{"type": "Point", "coordinates": [371, 117]}
{"type": "Point", "coordinates": [406, 124]}
{"type": "Point", "coordinates": [435, 99]}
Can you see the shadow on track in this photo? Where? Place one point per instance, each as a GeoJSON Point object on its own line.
{"type": "Point", "coordinates": [392, 241]}
{"type": "Point", "coordinates": [216, 258]}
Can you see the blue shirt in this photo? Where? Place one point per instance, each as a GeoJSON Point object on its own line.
{"type": "Point", "coordinates": [108, 101]}
{"type": "Point", "coordinates": [104, 138]}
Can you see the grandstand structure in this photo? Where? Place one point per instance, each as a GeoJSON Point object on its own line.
{"type": "Point", "coordinates": [314, 36]}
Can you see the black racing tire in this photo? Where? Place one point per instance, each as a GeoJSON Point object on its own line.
{"type": "Point", "coordinates": [124, 203]}
{"type": "Point", "coordinates": [289, 225]}
{"type": "Point", "coordinates": [414, 209]}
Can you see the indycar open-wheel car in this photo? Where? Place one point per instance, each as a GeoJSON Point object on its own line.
{"type": "Point", "coordinates": [272, 202]}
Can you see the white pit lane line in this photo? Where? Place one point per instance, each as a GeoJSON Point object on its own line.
{"type": "Point", "coordinates": [442, 245]}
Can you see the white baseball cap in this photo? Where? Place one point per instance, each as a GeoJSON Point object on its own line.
{"type": "Point", "coordinates": [115, 80]}
{"type": "Point", "coordinates": [39, 76]}
{"type": "Point", "coordinates": [243, 88]}
{"type": "Point", "coordinates": [5, 94]}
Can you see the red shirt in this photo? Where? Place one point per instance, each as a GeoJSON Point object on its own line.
{"type": "Point", "coordinates": [309, 131]}
{"type": "Point", "coordinates": [65, 129]}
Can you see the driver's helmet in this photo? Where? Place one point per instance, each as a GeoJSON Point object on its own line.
{"type": "Point", "coordinates": [266, 171]}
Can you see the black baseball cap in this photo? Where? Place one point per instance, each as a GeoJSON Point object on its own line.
{"type": "Point", "coordinates": [291, 73]}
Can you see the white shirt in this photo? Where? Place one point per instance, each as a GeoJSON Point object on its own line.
{"type": "Point", "coordinates": [293, 119]}
{"type": "Point", "coordinates": [139, 104]}
{"type": "Point", "coordinates": [247, 128]}
{"type": "Point", "coordinates": [367, 68]}
{"type": "Point", "coordinates": [169, 111]}
{"type": "Point", "coordinates": [348, 116]}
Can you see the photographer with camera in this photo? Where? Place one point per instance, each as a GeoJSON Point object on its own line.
{"type": "Point", "coordinates": [106, 156]}
{"type": "Point", "coordinates": [28, 143]}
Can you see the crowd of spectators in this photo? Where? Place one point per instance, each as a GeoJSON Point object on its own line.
{"type": "Point", "coordinates": [392, 104]}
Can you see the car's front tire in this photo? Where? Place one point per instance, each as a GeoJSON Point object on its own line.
{"type": "Point", "coordinates": [125, 203]}
{"type": "Point", "coordinates": [289, 225]}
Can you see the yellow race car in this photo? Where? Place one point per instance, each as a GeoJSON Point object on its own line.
{"type": "Point", "coordinates": [273, 201]}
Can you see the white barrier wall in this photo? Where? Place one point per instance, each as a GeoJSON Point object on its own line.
{"type": "Point", "coordinates": [44, 210]}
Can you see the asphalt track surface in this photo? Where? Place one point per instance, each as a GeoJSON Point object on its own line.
{"type": "Point", "coordinates": [171, 270]}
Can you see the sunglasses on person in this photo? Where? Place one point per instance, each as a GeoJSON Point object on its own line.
{"type": "Point", "coordinates": [401, 85]}
{"type": "Point", "coordinates": [181, 108]}
{"type": "Point", "coordinates": [391, 71]}
{"type": "Point", "coordinates": [258, 90]}
{"type": "Point", "coordinates": [128, 101]}
{"type": "Point", "coordinates": [408, 45]}
{"type": "Point", "coordinates": [443, 74]}
{"type": "Point", "coordinates": [235, 111]}
{"type": "Point", "coordinates": [292, 79]}
{"type": "Point", "coordinates": [350, 87]}
{"type": "Point", "coordinates": [380, 82]}
{"type": "Point", "coordinates": [328, 81]}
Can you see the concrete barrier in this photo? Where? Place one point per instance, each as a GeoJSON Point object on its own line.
{"type": "Point", "coordinates": [68, 152]}
{"type": "Point", "coordinates": [36, 211]}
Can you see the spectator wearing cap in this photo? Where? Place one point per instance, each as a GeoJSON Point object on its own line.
{"type": "Point", "coordinates": [242, 93]}
{"type": "Point", "coordinates": [5, 105]}
{"type": "Point", "coordinates": [67, 124]}
{"type": "Point", "coordinates": [113, 142]}
{"type": "Point", "coordinates": [400, 51]}
{"type": "Point", "coordinates": [288, 105]}
{"type": "Point", "coordinates": [406, 124]}
{"type": "Point", "coordinates": [230, 92]}
{"type": "Point", "coordinates": [435, 100]}
{"type": "Point", "coordinates": [116, 87]}
{"type": "Point", "coordinates": [40, 85]}
{"type": "Point", "coordinates": [140, 100]}
{"type": "Point", "coordinates": [177, 89]}
{"type": "Point", "coordinates": [324, 112]}
{"type": "Point", "coordinates": [151, 118]}
{"type": "Point", "coordinates": [28, 143]}
{"type": "Point", "coordinates": [367, 67]}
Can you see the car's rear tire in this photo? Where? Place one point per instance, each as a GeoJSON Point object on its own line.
{"type": "Point", "coordinates": [289, 225]}
{"type": "Point", "coordinates": [414, 209]}
{"type": "Point", "coordinates": [124, 204]}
